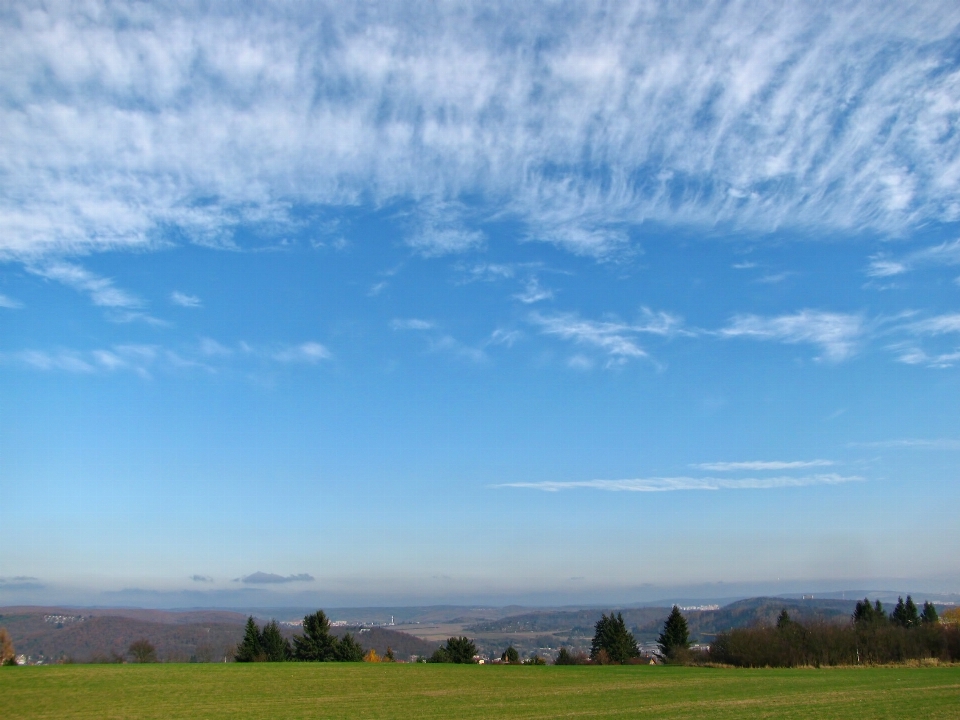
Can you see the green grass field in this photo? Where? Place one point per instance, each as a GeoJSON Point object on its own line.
{"type": "Point", "coordinates": [293, 690]}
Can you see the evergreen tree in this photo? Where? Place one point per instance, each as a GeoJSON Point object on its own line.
{"type": "Point", "coordinates": [349, 650]}
{"type": "Point", "coordinates": [456, 650]}
{"type": "Point", "coordinates": [612, 637]}
{"type": "Point", "coordinates": [251, 647]}
{"type": "Point", "coordinates": [929, 615]}
{"type": "Point", "coordinates": [905, 614]}
{"type": "Point", "coordinates": [783, 619]}
{"type": "Point", "coordinates": [316, 644]}
{"type": "Point", "coordinates": [389, 656]}
{"type": "Point", "coordinates": [510, 655]}
{"type": "Point", "coordinates": [460, 650]}
{"type": "Point", "coordinates": [675, 635]}
{"type": "Point", "coordinates": [275, 646]}
{"type": "Point", "coordinates": [865, 613]}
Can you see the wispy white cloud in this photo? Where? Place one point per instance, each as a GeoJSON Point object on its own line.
{"type": "Point", "coordinates": [184, 300]}
{"type": "Point", "coordinates": [9, 303]}
{"type": "Point", "coordinates": [534, 292]}
{"type": "Point", "coordinates": [667, 484]}
{"type": "Point", "coordinates": [308, 352]}
{"type": "Point", "coordinates": [412, 324]}
{"type": "Point", "coordinates": [762, 465]}
{"type": "Point", "coordinates": [617, 340]}
{"type": "Point", "coordinates": [208, 355]}
{"type": "Point", "coordinates": [66, 360]}
{"type": "Point", "coordinates": [917, 443]}
{"type": "Point", "coordinates": [124, 120]}
{"type": "Point", "coordinates": [882, 265]}
{"type": "Point", "coordinates": [937, 325]}
{"type": "Point", "coordinates": [501, 336]}
{"type": "Point", "coordinates": [917, 356]}
{"type": "Point", "coordinates": [101, 290]}
{"type": "Point", "coordinates": [449, 344]}
{"type": "Point", "coordinates": [836, 334]}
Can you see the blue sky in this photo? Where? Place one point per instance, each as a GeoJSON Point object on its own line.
{"type": "Point", "coordinates": [471, 303]}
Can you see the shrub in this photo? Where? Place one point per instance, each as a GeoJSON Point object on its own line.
{"type": "Point", "coordinates": [565, 657]}
{"type": "Point", "coordinates": [143, 651]}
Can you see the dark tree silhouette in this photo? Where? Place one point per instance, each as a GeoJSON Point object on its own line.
{"type": "Point", "coordinates": [250, 648]}
{"type": "Point", "coordinates": [929, 615]}
{"type": "Point", "coordinates": [316, 644]}
{"type": "Point", "coordinates": [675, 635]}
{"type": "Point", "coordinates": [349, 650]}
{"type": "Point", "coordinates": [275, 646]}
{"type": "Point", "coordinates": [458, 650]}
{"type": "Point", "coordinates": [612, 638]}
{"type": "Point", "coordinates": [143, 651]}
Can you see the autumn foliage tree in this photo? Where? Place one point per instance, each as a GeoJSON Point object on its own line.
{"type": "Point", "coordinates": [7, 653]}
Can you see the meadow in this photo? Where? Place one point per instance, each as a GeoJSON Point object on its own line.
{"type": "Point", "coordinates": [348, 690]}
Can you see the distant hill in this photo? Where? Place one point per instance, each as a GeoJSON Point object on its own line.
{"type": "Point", "coordinates": [404, 645]}
{"type": "Point", "coordinates": [647, 622]}
{"type": "Point", "coordinates": [85, 635]}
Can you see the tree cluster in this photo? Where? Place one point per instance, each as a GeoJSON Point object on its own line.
{"type": "Point", "coordinates": [460, 650]}
{"type": "Point", "coordinates": [872, 637]}
{"type": "Point", "coordinates": [905, 614]}
{"type": "Point", "coordinates": [316, 644]}
{"type": "Point", "coordinates": [565, 657]}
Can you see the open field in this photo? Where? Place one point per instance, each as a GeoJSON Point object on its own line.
{"type": "Point", "coordinates": [294, 690]}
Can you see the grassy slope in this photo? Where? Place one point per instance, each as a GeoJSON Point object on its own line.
{"type": "Point", "coordinates": [445, 691]}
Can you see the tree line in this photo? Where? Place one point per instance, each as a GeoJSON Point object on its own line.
{"type": "Point", "coordinates": [870, 637]}
{"type": "Point", "coordinates": [316, 644]}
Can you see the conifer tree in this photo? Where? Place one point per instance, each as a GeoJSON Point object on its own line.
{"type": "Point", "coordinates": [251, 647]}
{"type": "Point", "coordinates": [612, 637]}
{"type": "Point", "coordinates": [349, 650]}
{"type": "Point", "coordinates": [316, 644]}
{"type": "Point", "coordinates": [929, 615]}
{"type": "Point", "coordinates": [275, 646]}
{"type": "Point", "coordinates": [905, 614]}
{"type": "Point", "coordinates": [675, 635]}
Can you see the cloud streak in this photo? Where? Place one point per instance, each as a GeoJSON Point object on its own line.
{"type": "Point", "coordinates": [762, 465]}
{"type": "Point", "coordinates": [184, 300]}
{"type": "Point", "coordinates": [615, 339]}
{"type": "Point", "coordinates": [262, 578]}
{"type": "Point", "coordinates": [836, 334]}
{"type": "Point", "coordinates": [101, 291]}
{"type": "Point", "coordinates": [671, 484]}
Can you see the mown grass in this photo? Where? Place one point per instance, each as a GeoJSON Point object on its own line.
{"type": "Point", "coordinates": [295, 690]}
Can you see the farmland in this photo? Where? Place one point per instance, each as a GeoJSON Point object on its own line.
{"type": "Point", "coordinates": [346, 690]}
